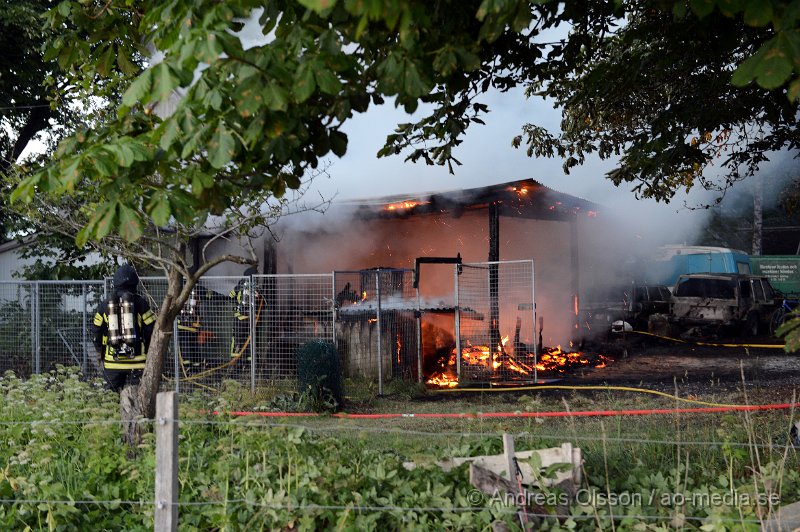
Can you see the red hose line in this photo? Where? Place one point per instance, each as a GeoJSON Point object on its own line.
{"type": "Point", "coordinates": [478, 415]}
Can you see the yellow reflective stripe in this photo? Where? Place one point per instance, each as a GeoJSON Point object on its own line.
{"type": "Point", "coordinates": [98, 319]}
{"type": "Point", "coordinates": [123, 365]}
{"type": "Point", "coordinates": [148, 317]}
{"type": "Point", "coordinates": [139, 358]}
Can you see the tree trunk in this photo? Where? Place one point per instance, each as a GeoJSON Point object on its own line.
{"type": "Point", "coordinates": [143, 400]}
{"type": "Point", "coordinates": [137, 402]}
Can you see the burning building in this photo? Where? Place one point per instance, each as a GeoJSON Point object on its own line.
{"type": "Point", "coordinates": [419, 280]}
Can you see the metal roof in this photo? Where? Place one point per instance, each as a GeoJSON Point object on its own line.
{"type": "Point", "coordinates": [525, 199]}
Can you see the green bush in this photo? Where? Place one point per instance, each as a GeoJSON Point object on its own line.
{"type": "Point", "coordinates": [319, 373]}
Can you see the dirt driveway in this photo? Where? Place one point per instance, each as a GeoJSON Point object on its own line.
{"type": "Point", "coordinates": [645, 360]}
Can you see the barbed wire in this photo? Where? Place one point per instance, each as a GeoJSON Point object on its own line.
{"type": "Point", "coordinates": [509, 509]}
{"type": "Point", "coordinates": [400, 431]}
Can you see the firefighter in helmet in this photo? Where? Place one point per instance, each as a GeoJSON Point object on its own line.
{"type": "Point", "coordinates": [242, 295]}
{"type": "Point", "coordinates": [122, 327]}
{"type": "Point", "coordinates": [192, 333]}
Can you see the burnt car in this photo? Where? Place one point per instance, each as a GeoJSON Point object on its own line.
{"type": "Point", "coordinates": [618, 308]}
{"type": "Point", "coordinates": [727, 302]}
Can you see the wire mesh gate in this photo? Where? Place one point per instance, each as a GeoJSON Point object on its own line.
{"type": "Point", "coordinates": [377, 323]}
{"type": "Point", "coordinates": [495, 322]}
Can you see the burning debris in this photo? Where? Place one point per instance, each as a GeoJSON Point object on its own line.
{"type": "Point", "coordinates": [482, 363]}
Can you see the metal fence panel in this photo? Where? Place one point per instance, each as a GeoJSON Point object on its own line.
{"type": "Point", "coordinates": [495, 322]}
{"type": "Point", "coordinates": [248, 329]}
{"type": "Point", "coordinates": [46, 323]}
{"type": "Point", "coordinates": [377, 323]}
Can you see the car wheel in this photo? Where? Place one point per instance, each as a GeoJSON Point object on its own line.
{"type": "Point", "coordinates": [751, 324]}
{"type": "Point", "coordinates": [777, 320]}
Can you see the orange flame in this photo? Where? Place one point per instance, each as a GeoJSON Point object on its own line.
{"type": "Point", "coordinates": [553, 359]}
{"type": "Point", "coordinates": [402, 205]}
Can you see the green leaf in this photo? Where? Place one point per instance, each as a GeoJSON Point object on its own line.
{"type": "Point", "coordinates": [758, 13]}
{"type": "Point", "coordinates": [105, 62]}
{"type": "Point", "coordinates": [164, 81]}
{"type": "Point", "coordinates": [338, 143]}
{"type": "Point", "coordinates": [159, 209]}
{"type": "Point", "coordinates": [413, 84]}
{"type": "Point", "coordinates": [304, 84]}
{"type": "Point", "coordinates": [318, 5]}
{"type": "Point", "coordinates": [83, 236]}
{"type": "Point", "coordinates": [125, 64]}
{"type": "Point", "coordinates": [70, 175]}
{"type": "Point", "coordinates": [64, 8]}
{"type": "Point", "coordinates": [770, 66]}
{"type": "Point", "coordinates": [170, 131]}
{"type": "Point", "coordinates": [103, 219]}
{"type": "Point", "coordinates": [139, 89]}
{"type": "Point", "coordinates": [794, 90]}
{"type": "Point", "coordinates": [276, 97]}
{"type": "Point", "coordinates": [702, 8]}
{"type": "Point", "coordinates": [26, 188]}
{"type": "Point", "coordinates": [222, 147]}
{"type": "Point", "coordinates": [445, 61]}
{"type": "Point", "coordinates": [130, 225]}
{"type": "Point", "coordinates": [327, 80]}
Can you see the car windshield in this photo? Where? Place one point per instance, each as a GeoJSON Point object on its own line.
{"type": "Point", "coordinates": [606, 294]}
{"type": "Point", "coordinates": [711, 288]}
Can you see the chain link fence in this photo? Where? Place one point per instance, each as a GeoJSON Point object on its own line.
{"type": "Point", "coordinates": [248, 329]}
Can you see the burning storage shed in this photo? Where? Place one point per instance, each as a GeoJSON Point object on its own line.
{"type": "Point", "coordinates": [375, 247]}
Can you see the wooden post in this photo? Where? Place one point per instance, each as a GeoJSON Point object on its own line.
{"type": "Point", "coordinates": [508, 451]}
{"type": "Point", "coordinates": [166, 511]}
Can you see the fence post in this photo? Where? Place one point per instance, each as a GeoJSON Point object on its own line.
{"type": "Point", "coordinates": [37, 352]}
{"type": "Point", "coordinates": [176, 354]}
{"type": "Point", "coordinates": [457, 324]}
{"type": "Point", "coordinates": [378, 325]}
{"type": "Point", "coordinates": [252, 322]}
{"type": "Point", "coordinates": [84, 359]}
{"type": "Point", "coordinates": [166, 508]}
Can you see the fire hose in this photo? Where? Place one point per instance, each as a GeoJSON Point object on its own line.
{"type": "Point", "coordinates": [518, 414]}
{"type": "Point", "coordinates": [707, 344]}
{"type": "Point", "coordinates": [602, 388]}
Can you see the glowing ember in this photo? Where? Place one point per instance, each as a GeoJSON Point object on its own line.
{"type": "Point", "coordinates": [556, 359]}
{"type": "Point", "coordinates": [402, 205]}
{"type": "Point", "coordinates": [443, 380]}
{"type": "Point", "coordinates": [479, 358]}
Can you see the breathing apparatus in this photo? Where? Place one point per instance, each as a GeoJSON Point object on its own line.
{"type": "Point", "coordinates": [122, 335]}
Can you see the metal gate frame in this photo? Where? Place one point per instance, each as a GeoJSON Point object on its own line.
{"type": "Point", "coordinates": [492, 287]}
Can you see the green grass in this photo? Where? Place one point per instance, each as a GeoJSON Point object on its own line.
{"type": "Point", "coordinates": [243, 473]}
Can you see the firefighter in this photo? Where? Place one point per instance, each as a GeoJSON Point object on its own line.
{"type": "Point", "coordinates": [242, 294]}
{"type": "Point", "coordinates": [192, 335]}
{"type": "Point", "coordinates": [121, 331]}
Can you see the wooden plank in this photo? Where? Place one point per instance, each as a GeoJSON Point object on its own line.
{"type": "Point", "coordinates": [493, 484]}
{"type": "Point", "coordinates": [166, 508]}
{"type": "Point", "coordinates": [566, 454]}
{"type": "Point", "coordinates": [510, 456]}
